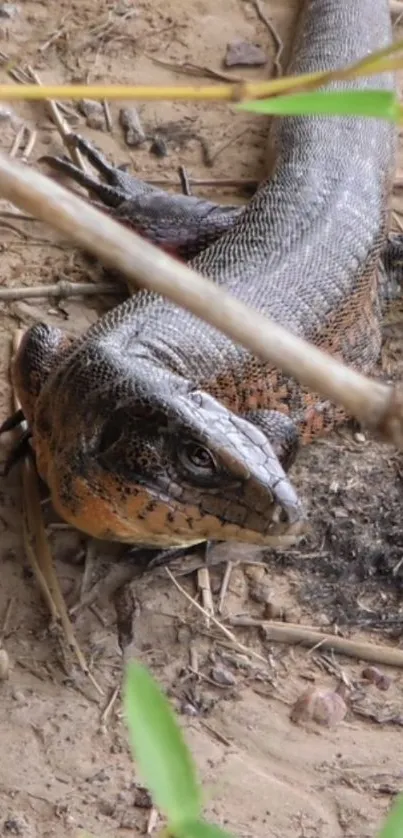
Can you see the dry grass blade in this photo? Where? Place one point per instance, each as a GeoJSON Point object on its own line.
{"type": "Point", "coordinates": [377, 405]}
{"type": "Point", "coordinates": [61, 124]}
{"type": "Point", "coordinates": [39, 554]}
{"type": "Point", "coordinates": [24, 77]}
{"type": "Point", "coordinates": [223, 629]}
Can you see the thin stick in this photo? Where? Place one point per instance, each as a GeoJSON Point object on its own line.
{"type": "Point", "coordinates": [52, 38]}
{"type": "Point", "coordinates": [108, 115]}
{"type": "Point", "coordinates": [109, 707]}
{"type": "Point", "coordinates": [274, 34]}
{"type": "Point", "coordinates": [375, 404]}
{"type": "Point", "coordinates": [203, 584]}
{"type": "Point", "coordinates": [19, 216]}
{"type": "Point", "coordinates": [152, 820]}
{"type": "Point", "coordinates": [22, 77]}
{"type": "Point", "coordinates": [60, 290]}
{"type": "Point", "coordinates": [17, 141]}
{"type": "Point", "coordinates": [231, 183]}
{"type": "Point", "coordinates": [190, 69]}
{"type": "Point", "coordinates": [61, 124]}
{"type": "Point", "coordinates": [29, 146]}
{"type": "Point", "coordinates": [285, 633]}
{"type": "Point", "coordinates": [6, 619]}
{"type": "Point", "coordinates": [236, 92]}
{"type": "Point", "coordinates": [216, 622]}
{"type": "Point", "coordinates": [224, 586]}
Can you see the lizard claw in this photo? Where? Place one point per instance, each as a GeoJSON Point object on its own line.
{"type": "Point", "coordinates": [119, 185]}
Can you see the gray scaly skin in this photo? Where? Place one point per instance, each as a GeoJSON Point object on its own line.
{"type": "Point", "coordinates": [154, 427]}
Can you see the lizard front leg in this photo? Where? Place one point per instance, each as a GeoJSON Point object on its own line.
{"type": "Point", "coordinates": [40, 350]}
{"type": "Point", "coordinates": [181, 224]}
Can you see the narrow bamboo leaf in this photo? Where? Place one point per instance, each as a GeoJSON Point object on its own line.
{"type": "Point", "coordinates": [198, 829]}
{"type": "Point", "coordinates": [381, 104]}
{"type": "Point", "coordinates": [159, 747]}
{"type": "Point", "coordinates": [393, 828]}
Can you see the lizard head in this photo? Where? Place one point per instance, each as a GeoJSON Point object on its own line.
{"type": "Point", "coordinates": [141, 455]}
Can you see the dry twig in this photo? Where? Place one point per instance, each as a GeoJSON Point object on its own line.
{"type": "Point", "coordinates": [204, 586]}
{"type": "Point", "coordinates": [227, 632]}
{"type": "Point", "coordinates": [224, 586]}
{"type": "Point", "coordinates": [59, 290]}
{"type": "Point", "coordinates": [198, 70]}
{"type": "Point", "coordinates": [6, 619]}
{"type": "Point", "coordinates": [307, 636]}
{"type": "Point", "coordinates": [106, 713]}
{"type": "Point", "coordinates": [61, 124]}
{"type": "Point", "coordinates": [278, 43]}
{"type": "Point", "coordinates": [152, 821]}
{"type": "Point", "coordinates": [108, 115]}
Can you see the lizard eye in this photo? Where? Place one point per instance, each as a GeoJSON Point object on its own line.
{"type": "Point", "coordinates": [111, 433]}
{"type": "Point", "coordinates": [196, 458]}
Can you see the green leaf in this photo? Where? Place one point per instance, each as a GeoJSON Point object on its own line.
{"type": "Point", "coordinates": [382, 104]}
{"type": "Point", "coordinates": [198, 829]}
{"type": "Point", "coordinates": [393, 828]}
{"type": "Point", "coordinates": [159, 747]}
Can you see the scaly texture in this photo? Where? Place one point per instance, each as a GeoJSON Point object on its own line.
{"type": "Point", "coordinates": [156, 428]}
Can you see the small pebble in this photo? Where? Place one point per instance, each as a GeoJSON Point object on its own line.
{"type": "Point", "coordinates": [159, 147]}
{"type": "Point", "coordinates": [223, 676]}
{"type": "Point", "coordinates": [94, 114]}
{"type": "Point", "coordinates": [244, 54]}
{"type": "Point", "coordinates": [8, 10]}
{"type": "Point", "coordinates": [4, 665]}
{"type": "Point", "coordinates": [14, 825]}
{"type": "Point", "coordinates": [375, 676]}
{"type": "Point", "coordinates": [340, 512]}
{"type": "Point", "coordinates": [142, 798]}
{"type": "Point", "coordinates": [19, 696]}
{"type": "Point", "coordinates": [106, 808]}
{"type": "Point", "coordinates": [132, 127]}
{"type": "Point", "coordinates": [325, 707]}
{"type": "Point", "coordinates": [260, 592]}
{"type": "Point", "coordinates": [359, 437]}
{"type": "Point", "coordinates": [188, 709]}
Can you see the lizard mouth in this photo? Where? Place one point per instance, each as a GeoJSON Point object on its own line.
{"type": "Point", "coordinates": [140, 515]}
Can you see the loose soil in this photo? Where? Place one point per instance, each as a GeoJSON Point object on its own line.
{"type": "Point", "coordinates": [67, 768]}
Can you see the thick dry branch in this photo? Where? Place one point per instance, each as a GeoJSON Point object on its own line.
{"type": "Point", "coordinates": [377, 405]}
{"type": "Point", "coordinates": [307, 636]}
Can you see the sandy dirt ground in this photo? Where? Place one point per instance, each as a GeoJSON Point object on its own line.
{"type": "Point", "coordinates": [66, 766]}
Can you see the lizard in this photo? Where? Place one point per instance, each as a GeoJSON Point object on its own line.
{"type": "Point", "coordinates": [153, 427]}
